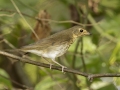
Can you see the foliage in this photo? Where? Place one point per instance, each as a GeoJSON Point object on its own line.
{"type": "Point", "coordinates": [101, 50]}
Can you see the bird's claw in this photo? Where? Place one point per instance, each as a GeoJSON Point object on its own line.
{"type": "Point", "coordinates": [90, 78]}
{"type": "Point", "coordinates": [50, 66]}
{"type": "Point", "coordinates": [63, 68]}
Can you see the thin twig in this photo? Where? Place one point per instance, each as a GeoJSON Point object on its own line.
{"type": "Point", "coordinates": [24, 18]}
{"type": "Point", "coordinates": [11, 15]}
{"type": "Point", "coordinates": [49, 20]}
{"type": "Point", "coordinates": [74, 55]}
{"type": "Point", "coordinates": [86, 12]}
{"type": "Point", "coordinates": [89, 76]}
{"type": "Point", "coordinates": [82, 56]}
{"type": "Point", "coordinates": [100, 30]}
{"type": "Point", "coordinates": [24, 86]}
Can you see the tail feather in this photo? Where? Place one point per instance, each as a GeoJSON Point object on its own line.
{"type": "Point", "coordinates": [12, 50]}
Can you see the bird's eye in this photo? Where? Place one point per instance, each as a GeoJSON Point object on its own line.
{"type": "Point", "coordinates": [81, 30]}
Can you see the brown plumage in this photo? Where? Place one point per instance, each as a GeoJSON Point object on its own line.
{"type": "Point", "coordinates": [56, 44]}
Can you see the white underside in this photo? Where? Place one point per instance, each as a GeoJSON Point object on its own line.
{"type": "Point", "coordinates": [56, 52]}
{"type": "Point", "coordinates": [51, 55]}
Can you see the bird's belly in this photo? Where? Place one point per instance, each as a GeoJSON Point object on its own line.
{"type": "Point", "coordinates": [50, 52]}
{"type": "Point", "coordinates": [55, 52]}
{"type": "Point", "coordinates": [61, 51]}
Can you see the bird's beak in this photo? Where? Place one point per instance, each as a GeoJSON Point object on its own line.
{"type": "Point", "coordinates": [87, 33]}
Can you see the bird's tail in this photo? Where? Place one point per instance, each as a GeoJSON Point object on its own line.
{"type": "Point", "coordinates": [16, 51]}
{"type": "Point", "coordinates": [12, 50]}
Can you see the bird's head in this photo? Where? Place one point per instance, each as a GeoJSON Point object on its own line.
{"type": "Point", "coordinates": [78, 31]}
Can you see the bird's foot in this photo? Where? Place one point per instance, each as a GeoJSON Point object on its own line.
{"type": "Point", "coordinates": [63, 68]}
{"type": "Point", "coordinates": [23, 56]}
{"type": "Point", "coordinates": [50, 66]}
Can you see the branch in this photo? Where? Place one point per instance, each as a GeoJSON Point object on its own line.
{"type": "Point", "coordinates": [24, 18]}
{"type": "Point", "coordinates": [89, 76]}
{"type": "Point", "coordinates": [49, 20]}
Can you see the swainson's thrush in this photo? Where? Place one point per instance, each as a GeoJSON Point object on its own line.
{"type": "Point", "coordinates": [56, 44]}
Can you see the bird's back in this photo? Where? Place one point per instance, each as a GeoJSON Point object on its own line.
{"type": "Point", "coordinates": [53, 40]}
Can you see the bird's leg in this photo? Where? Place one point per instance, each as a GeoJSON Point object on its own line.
{"type": "Point", "coordinates": [24, 55]}
{"type": "Point", "coordinates": [48, 62]}
{"type": "Point", "coordinates": [59, 65]}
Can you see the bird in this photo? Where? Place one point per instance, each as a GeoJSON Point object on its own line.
{"type": "Point", "coordinates": [55, 45]}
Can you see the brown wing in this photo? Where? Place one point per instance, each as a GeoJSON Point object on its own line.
{"type": "Point", "coordinates": [38, 45]}
{"type": "Point", "coordinates": [53, 40]}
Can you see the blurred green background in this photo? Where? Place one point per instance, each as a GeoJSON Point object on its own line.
{"type": "Point", "coordinates": [98, 53]}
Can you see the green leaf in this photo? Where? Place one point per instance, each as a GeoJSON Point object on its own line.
{"type": "Point", "coordinates": [3, 81]}
{"type": "Point", "coordinates": [47, 83]}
